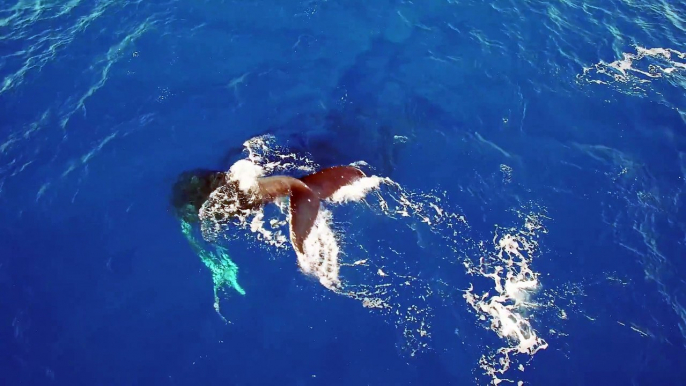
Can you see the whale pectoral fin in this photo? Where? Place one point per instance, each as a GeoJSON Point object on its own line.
{"type": "Point", "coordinates": [327, 181]}
{"type": "Point", "coordinates": [304, 206]}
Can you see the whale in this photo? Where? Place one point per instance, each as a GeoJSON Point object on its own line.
{"type": "Point", "coordinates": [305, 195]}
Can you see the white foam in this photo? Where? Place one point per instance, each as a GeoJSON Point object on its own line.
{"type": "Point", "coordinates": [357, 190]}
{"type": "Point", "coordinates": [634, 72]}
{"type": "Point", "coordinates": [246, 174]}
{"type": "Point", "coordinates": [507, 304]}
{"type": "Point", "coordinates": [320, 257]}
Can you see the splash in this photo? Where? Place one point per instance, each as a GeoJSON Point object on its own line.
{"type": "Point", "coordinates": [358, 189]}
{"type": "Point", "coordinates": [507, 304]}
{"type": "Point", "coordinates": [321, 250]}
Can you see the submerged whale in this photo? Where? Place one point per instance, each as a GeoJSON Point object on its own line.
{"type": "Point", "coordinates": [194, 188]}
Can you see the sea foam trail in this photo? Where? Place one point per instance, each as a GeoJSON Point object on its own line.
{"type": "Point", "coordinates": [638, 73]}
{"type": "Point", "coordinates": [507, 305]}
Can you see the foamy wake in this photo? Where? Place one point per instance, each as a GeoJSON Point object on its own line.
{"type": "Point", "coordinates": [358, 190]}
{"type": "Point", "coordinates": [635, 71]}
{"type": "Point", "coordinates": [507, 304]}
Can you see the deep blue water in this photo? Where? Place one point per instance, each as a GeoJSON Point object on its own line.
{"type": "Point", "coordinates": [505, 107]}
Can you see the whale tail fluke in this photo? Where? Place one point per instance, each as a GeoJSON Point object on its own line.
{"type": "Point", "coordinates": [304, 207]}
{"type": "Point", "coordinates": [326, 182]}
{"type": "Point", "coordinates": [305, 202]}
{"type": "Point", "coordinates": [305, 195]}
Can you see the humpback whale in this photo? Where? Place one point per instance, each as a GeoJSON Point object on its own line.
{"type": "Point", "coordinates": [194, 188]}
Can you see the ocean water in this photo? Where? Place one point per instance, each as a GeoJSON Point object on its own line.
{"type": "Point", "coordinates": [523, 221]}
